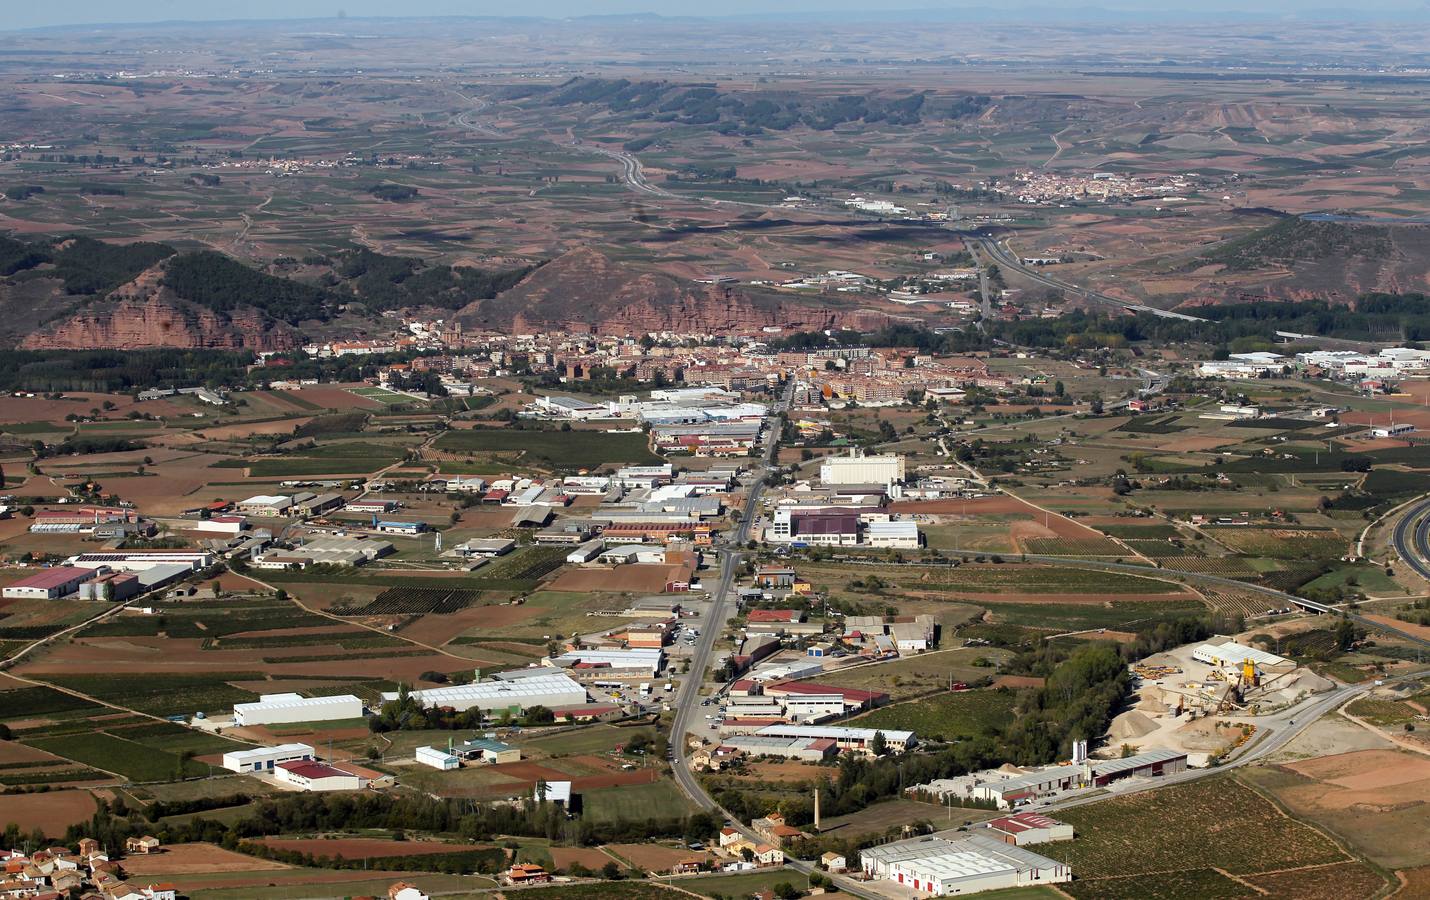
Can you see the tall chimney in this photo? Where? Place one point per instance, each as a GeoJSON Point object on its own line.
{"type": "Point", "coordinates": [816, 809]}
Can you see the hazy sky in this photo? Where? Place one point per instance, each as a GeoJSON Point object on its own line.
{"type": "Point", "coordinates": [20, 14]}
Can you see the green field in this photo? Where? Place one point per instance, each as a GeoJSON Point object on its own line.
{"type": "Point", "coordinates": [660, 800]}
{"type": "Point", "coordinates": [988, 578]}
{"type": "Point", "coordinates": [948, 716]}
{"type": "Point", "coordinates": [24, 703]}
{"type": "Point", "coordinates": [920, 674]}
{"type": "Point", "coordinates": [553, 449]}
{"type": "Point", "coordinates": [381, 395]}
{"type": "Point", "coordinates": [1125, 615]}
{"type": "Point", "coordinates": [135, 761]}
{"type": "Point", "coordinates": [164, 694]}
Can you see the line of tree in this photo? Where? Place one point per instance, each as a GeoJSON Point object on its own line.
{"type": "Point", "coordinates": [345, 812]}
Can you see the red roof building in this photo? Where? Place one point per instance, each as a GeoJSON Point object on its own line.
{"type": "Point", "coordinates": [49, 584]}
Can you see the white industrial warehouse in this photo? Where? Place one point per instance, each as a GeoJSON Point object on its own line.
{"type": "Point", "coordinates": [960, 864]}
{"type": "Point", "coordinates": [263, 759]}
{"type": "Point", "coordinates": [271, 709]}
{"type": "Point", "coordinates": [856, 468]}
{"type": "Point", "coordinates": [552, 690]}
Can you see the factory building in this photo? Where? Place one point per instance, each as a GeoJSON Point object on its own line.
{"type": "Point", "coordinates": [900, 535]}
{"type": "Point", "coordinates": [1029, 828]}
{"type": "Point", "coordinates": [1232, 656]}
{"type": "Point", "coordinates": [855, 739]}
{"type": "Point", "coordinates": [266, 505]}
{"type": "Point", "coordinates": [965, 864]}
{"type": "Point", "coordinates": [113, 586]}
{"type": "Point", "coordinates": [549, 690]}
{"type": "Point", "coordinates": [140, 560]}
{"type": "Point", "coordinates": [639, 661]}
{"type": "Point", "coordinates": [886, 469]}
{"type": "Point", "coordinates": [804, 749]}
{"type": "Point", "coordinates": [262, 759]}
{"type": "Point", "coordinates": [272, 709]}
{"type": "Point", "coordinates": [488, 750]}
{"type": "Point", "coordinates": [50, 584]}
{"type": "Point", "coordinates": [316, 776]}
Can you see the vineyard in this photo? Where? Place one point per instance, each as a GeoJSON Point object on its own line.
{"type": "Point", "coordinates": [1309, 643]}
{"type": "Point", "coordinates": [1281, 543]}
{"type": "Point", "coordinates": [531, 564]}
{"type": "Point", "coordinates": [1163, 549]}
{"type": "Point", "coordinates": [1185, 830]}
{"type": "Point", "coordinates": [1076, 547]}
{"type": "Point", "coordinates": [415, 601]}
{"type": "Point", "coordinates": [1154, 424]}
{"type": "Point", "coordinates": [1239, 603]}
{"type": "Point", "coordinates": [1226, 567]}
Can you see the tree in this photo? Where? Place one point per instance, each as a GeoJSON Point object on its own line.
{"type": "Point", "coordinates": [785, 891]}
{"type": "Point", "coordinates": [611, 871]}
{"type": "Point", "coordinates": [879, 746]}
{"type": "Point", "coordinates": [1345, 634]}
{"type": "Point", "coordinates": [539, 715]}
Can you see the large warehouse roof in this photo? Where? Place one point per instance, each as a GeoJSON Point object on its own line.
{"type": "Point", "coordinates": [505, 691]}
{"type": "Point", "coordinates": [837, 733]}
{"type": "Point", "coordinates": [294, 701]}
{"type": "Point", "coordinates": [1139, 761]}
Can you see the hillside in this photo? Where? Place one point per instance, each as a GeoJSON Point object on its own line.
{"type": "Point", "coordinates": [1297, 259]}
{"type": "Point", "coordinates": [147, 313]}
{"type": "Point", "coordinates": [750, 112]}
{"type": "Point", "coordinates": [80, 293]}
{"type": "Point", "coordinates": [585, 291]}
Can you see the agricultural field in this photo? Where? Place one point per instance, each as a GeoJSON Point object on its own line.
{"type": "Point", "coordinates": [1372, 800]}
{"type": "Point", "coordinates": [552, 450]}
{"type": "Point", "coordinates": [164, 694]}
{"type": "Point", "coordinates": [1280, 543]}
{"type": "Point", "coordinates": [661, 799]}
{"type": "Point", "coordinates": [1127, 845]}
{"type": "Point", "coordinates": [134, 760]}
{"type": "Point", "coordinates": [1114, 615]}
{"type": "Point", "coordinates": [946, 716]}
{"type": "Point", "coordinates": [1008, 580]}
{"type": "Point", "coordinates": [915, 675]}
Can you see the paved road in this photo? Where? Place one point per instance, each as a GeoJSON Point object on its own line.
{"type": "Point", "coordinates": [687, 702]}
{"type": "Point", "coordinates": [1411, 538]}
{"type": "Point", "coordinates": [1274, 733]}
{"type": "Point", "coordinates": [1008, 260]}
{"type": "Point", "coordinates": [632, 172]}
{"type": "Point", "coordinates": [688, 698]}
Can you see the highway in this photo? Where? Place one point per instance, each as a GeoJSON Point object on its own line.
{"type": "Point", "coordinates": [1411, 538]}
{"type": "Point", "coordinates": [632, 172]}
{"type": "Point", "coordinates": [1008, 260]}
